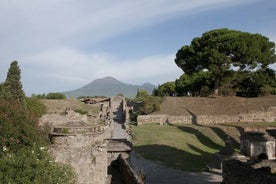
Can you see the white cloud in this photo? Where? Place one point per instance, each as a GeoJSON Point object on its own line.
{"type": "Point", "coordinates": [51, 68]}
{"type": "Point", "coordinates": [45, 24]}
{"type": "Point", "coordinates": [44, 37]}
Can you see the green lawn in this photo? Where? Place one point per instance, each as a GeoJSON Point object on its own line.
{"type": "Point", "coordinates": [185, 147]}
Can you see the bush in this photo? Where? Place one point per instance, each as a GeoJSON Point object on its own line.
{"type": "Point", "coordinates": [266, 90]}
{"type": "Point", "coordinates": [226, 91]}
{"type": "Point", "coordinates": [55, 96]}
{"type": "Point", "coordinates": [205, 91]}
{"type": "Point", "coordinates": [147, 104]}
{"type": "Point", "coordinates": [32, 165]}
{"type": "Point", "coordinates": [23, 152]}
{"type": "Point", "coordinates": [81, 111]}
{"type": "Point", "coordinates": [35, 106]}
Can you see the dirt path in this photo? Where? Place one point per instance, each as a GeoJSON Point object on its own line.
{"type": "Point", "coordinates": [158, 174]}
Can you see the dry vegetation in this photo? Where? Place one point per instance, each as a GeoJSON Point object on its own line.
{"type": "Point", "coordinates": [214, 106]}
{"type": "Point", "coordinates": [59, 106]}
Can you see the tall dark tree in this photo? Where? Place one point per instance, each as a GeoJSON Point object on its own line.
{"type": "Point", "coordinates": [13, 86]}
{"type": "Point", "coordinates": [1, 91]}
{"type": "Point", "coordinates": [223, 51]}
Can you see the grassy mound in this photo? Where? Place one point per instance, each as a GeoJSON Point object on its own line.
{"type": "Point", "coordinates": [59, 106]}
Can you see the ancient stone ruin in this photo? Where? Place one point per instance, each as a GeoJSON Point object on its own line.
{"type": "Point", "coordinates": [98, 147]}
{"type": "Point", "coordinates": [260, 167]}
{"type": "Point", "coordinates": [258, 145]}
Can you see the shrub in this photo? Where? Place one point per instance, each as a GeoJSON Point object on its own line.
{"type": "Point", "coordinates": [55, 96]}
{"type": "Point", "coordinates": [35, 106]}
{"type": "Point", "coordinates": [33, 165]}
{"type": "Point", "coordinates": [22, 158]}
{"type": "Point", "coordinates": [81, 111]}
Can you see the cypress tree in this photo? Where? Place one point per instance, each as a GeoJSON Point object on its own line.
{"type": "Point", "coordinates": [12, 87]}
{"type": "Point", "coordinates": [1, 91]}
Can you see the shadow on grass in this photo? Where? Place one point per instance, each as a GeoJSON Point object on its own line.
{"type": "Point", "coordinates": [201, 137]}
{"type": "Point", "coordinates": [176, 158]}
{"type": "Point", "coordinates": [224, 136]}
{"type": "Point", "coordinates": [239, 128]}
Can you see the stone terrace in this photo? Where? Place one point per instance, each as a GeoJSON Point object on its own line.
{"type": "Point", "coordinates": [183, 106]}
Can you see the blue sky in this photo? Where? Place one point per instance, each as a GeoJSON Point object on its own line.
{"type": "Point", "coordinates": [64, 44]}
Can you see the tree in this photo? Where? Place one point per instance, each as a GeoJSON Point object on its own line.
{"type": "Point", "coordinates": [195, 84]}
{"type": "Point", "coordinates": [23, 146]}
{"type": "Point", "coordinates": [223, 51]}
{"type": "Point", "coordinates": [2, 91]}
{"type": "Point", "coordinates": [254, 84]}
{"type": "Point", "coordinates": [12, 86]}
{"type": "Point", "coordinates": [145, 104]}
{"type": "Point", "coordinates": [166, 89]}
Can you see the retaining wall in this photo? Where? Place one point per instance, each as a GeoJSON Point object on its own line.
{"type": "Point", "coordinates": [268, 115]}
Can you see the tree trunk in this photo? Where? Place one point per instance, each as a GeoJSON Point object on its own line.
{"type": "Point", "coordinates": [216, 87]}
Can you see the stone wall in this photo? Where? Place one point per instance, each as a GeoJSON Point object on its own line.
{"type": "Point", "coordinates": [266, 115]}
{"type": "Point", "coordinates": [57, 119]}
{"type": "Point", "coordinates": [89, 162]}
{"type": "Point", "coordinates": [146, 119]}
{"type": "Point", "coordinates": [237, 172]}
{"type": "Point", "coordinates": [128, 173]}
{"type": "Point", "coordinates": [86, 153]}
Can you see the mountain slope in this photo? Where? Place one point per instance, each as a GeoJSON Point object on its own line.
{"type": "Point", "coordinates": [108, 86]}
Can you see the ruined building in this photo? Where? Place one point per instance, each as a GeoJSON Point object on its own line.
{"type": "Point", "coordinates": [95, 147]}
{"type": "Point", "coordinates": [259, 147]}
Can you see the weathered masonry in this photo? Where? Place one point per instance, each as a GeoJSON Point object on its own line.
{"type": "Point", "coordinates": [265, 115]}
{"type": "Point", "coordinates": [97, 148]}
{"type": "Point", "coordinates": [258, 145]}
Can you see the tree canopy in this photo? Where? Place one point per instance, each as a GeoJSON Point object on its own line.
{"type": "Point", "coordinates": [222, 52]}
{"type": "Point", "coordinates": [166, 89]}
{"type": "Point", "coordinates": [12, 86]}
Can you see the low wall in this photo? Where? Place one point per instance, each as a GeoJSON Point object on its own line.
{"type": "Point", "coordinates": [256, 116]}
{"type": "Point", "coordinates": [146, 119]}
{"type": "Point", "coordinates": [237, 172]}
{"type": "Point", "coordinates": [163, 119]}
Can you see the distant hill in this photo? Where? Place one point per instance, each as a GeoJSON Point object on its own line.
{"type": "Point", "coordinates": [109, 87]}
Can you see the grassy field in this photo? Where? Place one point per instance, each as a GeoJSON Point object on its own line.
{"type": "Point", "coordinates": [186, 147]}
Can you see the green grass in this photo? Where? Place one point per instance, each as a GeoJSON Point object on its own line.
{"type": "Point", "coordinates": [185, 147]}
